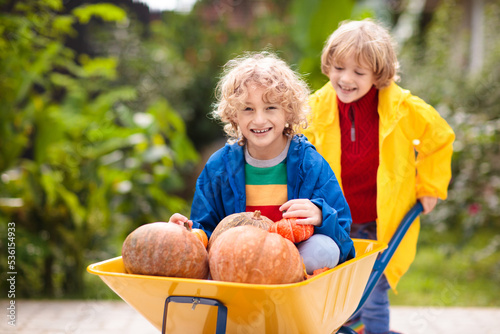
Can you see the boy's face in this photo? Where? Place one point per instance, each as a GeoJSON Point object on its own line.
{"type": "Point", "coordinates": [351, 80]}
{"type": "Point", "coordinates": [262, 124]}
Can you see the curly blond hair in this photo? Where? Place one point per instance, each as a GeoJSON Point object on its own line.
{"type": "Point", "coordinates": [281, 85]}
{"type": "Point", "coordinates": [370, 43]}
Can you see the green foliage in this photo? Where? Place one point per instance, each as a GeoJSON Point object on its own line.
{"type": "Point", "coordinates": [315, 21]}
{"type": "Point", "coordinates": [434, 69]}
{"type": "Point", "coordinates": [81, 165]}
{"type": "Point", "coordinates": [182, 56]}
{"type": "Point", "coordinates": [469, 103]}
{"type": "Point", "coordinates": [105, 11]}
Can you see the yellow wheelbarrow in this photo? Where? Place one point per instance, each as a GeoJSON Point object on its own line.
{"type": "Point", "coordinates": [321, 304]}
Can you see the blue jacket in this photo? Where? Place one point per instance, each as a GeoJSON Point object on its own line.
{"type": "Point", "coordinates": [220, 190]}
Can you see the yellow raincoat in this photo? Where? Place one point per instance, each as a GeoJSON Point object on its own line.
{"type": "Point", "coordinates": [407, 124]}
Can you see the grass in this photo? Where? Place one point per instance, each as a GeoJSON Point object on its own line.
{"type": "Point", "coordinates": [444, 274]}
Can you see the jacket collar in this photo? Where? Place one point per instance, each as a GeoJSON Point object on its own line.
{"type": "Point", "coordinates": [390, 109]}
{"type": "Point", "coordinates": [329, 98]}
{"type": "Point", "coordinates": [389, 106]}
{"type": "Point", "coordinates": [233, 157]}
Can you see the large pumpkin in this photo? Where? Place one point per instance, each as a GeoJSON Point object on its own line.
{"type": "Point", "coordinates": [240, 219]}
{"type": "Point", "coordinates": [164, 249]}
{"type": "Point", "coordinates": [247, 254]}
{"type": "Point", "coordinates": [289, 229]}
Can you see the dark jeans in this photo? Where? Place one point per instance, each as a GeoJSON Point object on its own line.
{"type": "Point", "coordinates": [375, 312]}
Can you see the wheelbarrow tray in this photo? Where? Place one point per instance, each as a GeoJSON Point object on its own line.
{"type": "Point", "coordinates": [321, 304]}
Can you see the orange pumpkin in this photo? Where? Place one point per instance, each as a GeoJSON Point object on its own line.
{"type": "Point", "coordinates": [164, 249]}
{"type": "Point", "coordinates": [247, 254]}
{"type": "Point", "coordinates": [201, 235]}
{"type": "Point", "coordinates": [240, 219]}
{"type": "Point", "coordinates": [289, 229]}
{"type": "Point", "coordinates": [317, 272]}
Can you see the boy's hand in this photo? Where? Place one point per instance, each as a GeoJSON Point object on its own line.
{"type": "Point", "coordinates": [303, 209]}
{"type": "Point", "coordinates": [429, 203]}
{"type": "Point", "coordinates": [179, 219]}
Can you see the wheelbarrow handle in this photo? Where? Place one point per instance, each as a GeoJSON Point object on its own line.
{"type": "Point", "coordinates": [386, 255]}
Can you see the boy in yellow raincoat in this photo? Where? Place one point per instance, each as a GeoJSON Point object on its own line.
{"type": "Point", "coordinates": [387, 147]}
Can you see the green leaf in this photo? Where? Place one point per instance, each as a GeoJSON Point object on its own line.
{"type": "Point", "coordinates": [49, 132]}
{"type": "Point", "coordinates": [184, 149]}
{"type": "Point", "coordinates": [326, 19]}
{"type": "Point", "coordinates": [77, 211]}
{"type": "Point", "coordinates": [106, 11]}
{"type": "Point", "coordinates": [64, 24]}
{"type": "Point", "coordinates": [54, 4]}
{"type": "Point", "coordinates": [107, 99]}
{"type": "Point", "coordinates": [316, 20]}
{"type": "Point", "coordinates": [168, 120]}
{"type": "Point", "coordinates": [64, 81]}
{"type": "Point", "coordinates": [99, 67]}
{"type": "Point", "coordinates": [49, 181]}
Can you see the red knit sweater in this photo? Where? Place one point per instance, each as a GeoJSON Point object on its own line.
{"type": "Point", "coordinates": [359, 128]}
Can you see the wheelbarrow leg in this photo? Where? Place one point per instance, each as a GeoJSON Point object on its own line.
{"type": "Point", "coordinates": [221, 311]}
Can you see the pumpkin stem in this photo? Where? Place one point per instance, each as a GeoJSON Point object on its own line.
{"type": "Point", "coordinates": [256, 214]}
{"type": "Point", "coordinates": [186, 225]}
{"type": "Point", "coordinates": [306, 276]}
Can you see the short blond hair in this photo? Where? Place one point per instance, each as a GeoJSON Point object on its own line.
{"type": "Point", "coordinates": [370, 43]}
{"type": "Point", "coordinates": [281, 84]}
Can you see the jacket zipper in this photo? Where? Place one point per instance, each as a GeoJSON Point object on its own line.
{"type": "Point", "coordinates": [353, 128]}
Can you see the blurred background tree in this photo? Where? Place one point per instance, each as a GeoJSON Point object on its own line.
{"type": "Point", "coordinates": [82, 162]}
{"type": "Point", "coordinates": [452, 60]}
{"type": "Point", "coordinates": [104, 126]}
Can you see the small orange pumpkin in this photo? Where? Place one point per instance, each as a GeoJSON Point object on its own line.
{"type": "Point", "coordinates": [164, 249]}
{"type": "Point", "coordinates": [289, 229]}
{"type": "Point", "coordinates": [317, 272]}
{"type": "Point", "coordinates": [240, 219]}
{"type": "Point", "coordinates": [247, 254]}
{"type": "Point", "coordinates": [199, 233]}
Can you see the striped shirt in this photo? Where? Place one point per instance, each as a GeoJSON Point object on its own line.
{"type": "Point", "coordinates": [266, 184]}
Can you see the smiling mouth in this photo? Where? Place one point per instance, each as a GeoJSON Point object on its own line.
{"type": "Point", "coordinates": [347, 89]}
{"type": "Point", "coordinates": [261, 131]}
